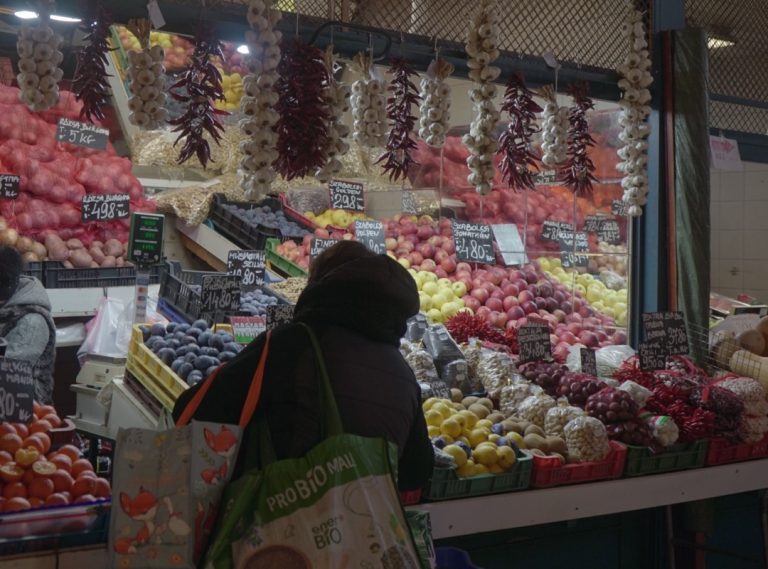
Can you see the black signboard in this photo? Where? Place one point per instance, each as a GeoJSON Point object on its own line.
{"type": "Point", "coordinates": [98, 207]}
{"type": "Point", "coordinates": [588, 361]}
{"type": "Point", "coordinates": [219, 294]}
{"type": "Point", "coordinates": [571, 254]}
{"type": "Point", "coordinates": [592, 223]}
{"type": "Point", "coordinates": [146, 243]}
{"type": "Point", "coordinates": [473, 242]}
{"type": "Point", "coordinates": [249, 266]}
{"type": "Point", "coordinates": [618, 207]}
{"type": "Point", "coordinates": [609, 232]}
{"type": "Point", "coordinates": [409, 202]}
{"type": "Point", "coordinates": [534, 342]}
{"type": "Point", "coordinates": [318, 245]}
{"type": "Point", "coordinates": [82, 134]}
{"type": "Point", "coordinates": [17, 388]}
{"type": "Point", "coordinates": [652, 356]}
{"type": "Point", "coordinates": [550, 230]}
{"type": "Point", "coordinates": [371, 234]}
{"type": "Point", "coordinates": [545, 178]}
{"type": "Point", "coordinates": [9, 186]}
{"type": "Point", "coordinates": [668, 330]}
{"type": "Point", "coordinates": [279, 314]}
{"type": "Point", "coordinates": [440, 389]}
{"type": "Point", "coordinates": [346, 195]}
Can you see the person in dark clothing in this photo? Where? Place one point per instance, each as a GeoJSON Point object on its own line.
{"type": "Point", "coordinates": [26, 323]}
{"type": "Point", "coordinates": [357, 303]}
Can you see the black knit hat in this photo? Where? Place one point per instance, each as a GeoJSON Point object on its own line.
{"type": "Point", "coordinates": [10, 271]}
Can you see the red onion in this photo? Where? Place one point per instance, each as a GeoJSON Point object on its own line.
{"type": "Point", "coordinates": [546, 375]}
{"type": "Point", "coordinates": [611, 405]}
{"type": "Point", "coordinates": [578, 387]}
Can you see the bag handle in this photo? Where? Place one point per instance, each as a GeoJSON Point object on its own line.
{"type": "Point", "coordinates": [251, 400]}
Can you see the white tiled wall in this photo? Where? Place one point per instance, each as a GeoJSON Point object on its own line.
{"type": "Point", "coordinates": [739, 237]}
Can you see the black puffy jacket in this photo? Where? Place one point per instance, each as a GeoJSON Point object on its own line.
{"type": "Point", "coordinates": [358, 312]}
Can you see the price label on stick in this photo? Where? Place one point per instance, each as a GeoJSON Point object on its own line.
{"type": "Point", "coordinates": [473, 242]}
{"type": "Point", "coordinates": [409, 202]}
{"type": "Point", "coordinates": [318, 245]}
{"type": "Point", "coordinates": [668, 330]}
{"type": "Point", "coordinates": [17, 389]}
{"type": "Point", "coordinates": [219, 294]}
{"type": "Point", "coordinates": [82, 134]}
{"type": "Point", "coordinates": [279, 314]}
{"type": "Point", "coordinates": [588, 361]}
{"type": "Point", "coordinates": [652, 356]}
{"type": "Point", "coordinates": [550, 230]}
{"type": "Point", "coordinates": [249, 266]}
{"type": "Point", "coordinates": [534, 343]}
{"type": "Point", "coordinates": [572, 254]}
{"type": "Point", "coordinates": [346, 195]}
{"type": "Point", "coordinates": [9, 186]}
{"type": "Point", "coordinates": [98, 207]}
{"type": "Point", "coordinates": [371, 234]}
{"type": "Point", "coordinates": [247, 328]}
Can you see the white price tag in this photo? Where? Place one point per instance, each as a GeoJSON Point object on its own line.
{"type": "Point", "coordinates": [155, 15]}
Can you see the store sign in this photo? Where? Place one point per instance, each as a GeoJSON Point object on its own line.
{"type": "Point", "coordinates": [346, 195]}
{"type": "Point", "coordinates": [279, 314]}
{"type": "Point", "coordinates": [219, 294]}
{"type": "Point", "coordinates": [473, 242]}
{"type": "Point", "coordinates": [510, 244]}
{"type": "Point", "coordinates": [249, 266]}
{"type": "Point", "coordinates": [667, 330]}
{"type": "Point", "coordinates": [82, 134]}
{"type": "Point", "coordinates": [246, 329]}
{"type": "Point", "coordinates": [100, 207]}
{"type": "Point", "coordinates": [9, 186]}
{"type": "Point", "coordinates": [725, 153]}
{"type": "Point", "coordinates": [409, 202]}
{"type": "Point", "coordinates": [17, 388]}
{"type": "Point", "coordinates": [588, 361]}
{"type": "Point", "coordinates": [550, 230]}
{"type": "Point", "coordinates": [318, 245]}
{"type": "Point", "coordinates": [371, 234]}
{"type": "Point", "coordinates": [146, 243]}
{"type": "Point", "coordinates": [572, 250]}
{"type": "Point", "coordinates": [652, 356]}
{"type": "Point", "coordinates": [534, 342]}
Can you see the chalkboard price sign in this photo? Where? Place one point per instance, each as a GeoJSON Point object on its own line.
{"type": "Point", "coordinates": [545, 178]}
{"type": "Point", "coordinates": [346, 195]}
{"type": "Point", "coordinates": [535, 345]}
{"type": "Point", "coordinates": [279, 314]}
{"type": "Point", "coordinates": [9, 186]}
{"type": "Point", "coordinates": [667, 330]}
{"type": "Point", "coordinates": [249, 266]}
{"type": "Point", "coordinates": [219, 294]}
{"type": "Point", "coordinates": [588, 361]}
{"type": "Point", "coordinates": [473, 242]}
{"type": "Point", "coordinates": [371, 234]}
{"type": "Point", "coordinates": [618, 207]}
{"type": "Point", "coordinates": [550, 230]}
{"type": "Point", "coordinates": [318, 245]}
{"type": "Point", "coordinates": [98, 207]}
{"type": "Point", "coordinates": [409, 202]}
{"type": "Point", "coordinates": [572, 255]}
{"type": "Point", "coordinates": [17, 388]}
{"type": "Point", "coordinates": [82, 134]}
{"type": "Point", "coordinates": [609, 232]}
{"type": "Point", "coordinates": [146, 243]}
{"type": "Point", "coordinates": [652, 356]}
{"type": "Point", "coordinates": [592, 223]}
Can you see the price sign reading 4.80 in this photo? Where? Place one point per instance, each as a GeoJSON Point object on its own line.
{"type": "Point", "coordinates": [9, 186]}
{"type": "Point", "coordinates": [97, 207]}
{"type": "Point", "coordinates": [82, 134]}
{"type": "Point", "coordinates": [249, 266]}
{"type": "Point", "coordinates": [534, 343]}
{"type": "Point", "coordinates": [17, 388]}
{"type": "Point", "coordinates": [346, 195]}
{"type": "Point", "coordinates": [371, 234]}
{"type": "Point", "coordinates": [219, 294]}
{"type": "Point", "coordinates": [473, 242]}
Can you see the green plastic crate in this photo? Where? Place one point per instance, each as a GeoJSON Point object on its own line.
{"type": "Point", "coordinates": [641, 460]}
{"type": "Point", "coordinates": [281, 265]}
{"type": "Point", "coordinates": [445, 485]}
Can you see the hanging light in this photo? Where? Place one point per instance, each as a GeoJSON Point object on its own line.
{"type": "Point", "coordinates": [243, 49]}
{"type": "Point", "coordinates": [29, 15]}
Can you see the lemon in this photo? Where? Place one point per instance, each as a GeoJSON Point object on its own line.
{"type": "Point", "coordinates": [461, 420]}
{"type": "Point", "coordinates": [433, 431]}
{"type": "Point", "coordinates": [470, 419]}
{"type": "Point", "coordinates": [495, 469]}
{"type": "Point", "coordinates": [443, 409]}
{"type": "Point", "coordinates": [493, 437]}
{"type": "Point", "coordinates": [467, 470]}
{"type": "Point", "coordinates": [516, 438]}
{"type": "Point", "coordinates": [433, 418]}
{"type": "Point", "coordinates": [479, 470]}
{"type": "Point", "coordinates": [448, 439]}
{"type": "Point", "coordinates": [507, 457]}
{"type": "Point", "coordinates": [484, 424]}
{"type": "Point", "coordinates": [427, 405]}
{"type": "Point", "coordinates": [463, 439]}
{"type": "Point", "coordinates": [451, 427]}
{"type": "Point", "coordinates": [477, 436]}
{"type": "Point", "coordinates": [457, 453]}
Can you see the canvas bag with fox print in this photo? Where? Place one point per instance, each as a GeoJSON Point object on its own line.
{"type": "Point", "coordinates": [167, 484]}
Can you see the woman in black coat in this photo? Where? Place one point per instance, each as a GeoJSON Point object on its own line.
{"type": "Point", "coordinates": [357, 303]}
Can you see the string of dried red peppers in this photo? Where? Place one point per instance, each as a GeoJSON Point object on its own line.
{"type": "Point", "coordinates": [302, 129]}
{"type": "Point", "coordinates": [90, 83]}
{"type": "Point", "coordinates": [577, 173]}
{"type": "Point", "coordinates": [518, 161]}
{"type": "Point", "coordinates": [397, 157]}
{"type": "Point", "coordinates": [202, 83]}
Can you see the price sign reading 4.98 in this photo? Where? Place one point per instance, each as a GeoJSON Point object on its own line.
{"type": "Point", "coordinates": [82, 134]}
{"type": "Point", "coordinates": [371, 234]}
{"type": "Point", "coordinates": [666, 330]}
{"type": "Point", "coordinates": [17, 388]}
{"type": "Point", "coordinates": [97, 207]}
{"type": "Point", "coordinates": [249, 266]}
{"type": "Point", "coordinates": [9, 186]}
{"type": "Point", "coordinates": [473, 242]}
{"type": "Point", "coordinates": [219, 294]}
{"type": "Point", "coordinates": [346, 195]}
{"type": "Point", "coordinates": [534, 343]}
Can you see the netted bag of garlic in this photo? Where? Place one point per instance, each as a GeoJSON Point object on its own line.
{"type": "Point", "coordinates": [494, 371]}
{"type": "Point", "coordinates": [747, 389]}
{"type": "Point", "coordinates": [663, 428]}
{"type": "Point", "coordinates": [559, 416]}
{"type": "Point", "coordinates": [586, 439]}
{"type": "Point", "coordinates": [422, 365]}
{"type": "Point", "coordinates": [534, 408]}
{"type": "Point", "coordinates": [472, 352]}
{"type": "Point", "coordinates": [192, 204]}
{"type": "Point", "coordinates": [514, 393]}
{"type": "Point", "coordinates": [753, 424]}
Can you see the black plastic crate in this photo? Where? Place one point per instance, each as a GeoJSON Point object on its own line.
{"type": "Point", "coordinates": [238, 229]}
{"type": "Point", "coordinates": [34, 270]}
{"type": "Point", "coordinates": [57, 275]}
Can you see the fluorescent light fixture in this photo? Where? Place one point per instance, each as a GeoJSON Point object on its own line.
{"type": "Point", "coordinates": [29, 15]}
{"type": "Point", "coordinates": [26, 15]}
{"type": "Point", "coordinates": [718, 42]}
{"type": "Point", "coordinates": [243, 49]}
{"type": "Point", "coordinates": [65, 19]}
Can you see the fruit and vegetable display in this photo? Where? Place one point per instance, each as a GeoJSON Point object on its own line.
{"type": "Point", "coordinates": [338, 218]}
{"type": "Point", "coordinates": [266, 216]}
{"type": "Point", "coordinates": [255, 302]}
{"type": "Point", "coordinates": [290, 288]}
{"type": "Point", "coordinates": [36, 471]}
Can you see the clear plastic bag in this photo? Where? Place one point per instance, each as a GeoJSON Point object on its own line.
{"type": "Point", "coordinates": [417, 325]}
{"type": "Point", "coordinates": [609, 359]}
{"type": "Point", "coordinates": [494, 371]}
{"type": "Point", "coordinates": [422, 365]}
{"type": "Point", "coordinates": [513, 394]}
{"type": "Point", "coordinates": [558, 417]}
{"type": "Point", "coordinates": [534, 408]}
{"type": "Point", "coordinates": [663, 428]}
{"type": "Point", "coordinates": [586, 439]}
{"type": "Point", "coordinates": [639, 393]}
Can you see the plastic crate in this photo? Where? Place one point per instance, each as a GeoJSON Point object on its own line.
{"type": "Point", "coordinates": [152, 373]}
{"type": "Point", "coordinates": [280, 264]}
{"type": "Point", "coordinates": [301, 219]}
{"type": "Point", "coordinates": [178, 292]}
{"type": "Point", "coordinates": [34, 270]}
{"type": "Point", "coordinates": [63, 435]}
{"type": "Point", "coordinates": [446, 485]}
{"type": "Point", "coordinates": [410, 498]}
{"type": "Point", "coordinates": [239, 229]}
{"type": "Point", "coordinates": [641, 460]}
{"type": "Point", "coordinates": [57, 275]}
{"type": "Point", "coordinates": [721, 451]}
{"type": "Point", "coordinates": [548, 471]}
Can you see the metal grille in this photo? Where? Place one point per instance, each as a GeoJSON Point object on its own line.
{"type": "Point", "coordinates": [737, 66]}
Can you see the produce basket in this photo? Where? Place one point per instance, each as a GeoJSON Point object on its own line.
{"type": "Point", "coordinates": [721, 451]}
{"type": "Point", "coordinates": [63, 435]}
{"type": "Point", "coordinates": [446, 485]}
{"type": "Point", "coordinates": [280, 264]}
{"type": "Point", "coordinates": [301, 219]}
{"type": "Point", "coordinates": [57, 275]}
{"type": "Point", "coordinates": [180, 289]}
{"type": "Point", "coordinates": [642, 460]}
{"type": "Point", "coordinates": [152, 373]}
{"type": "Point", "coordinates": [411, 497]}
{"type": "Point", "coordinates": [548, 471]}
{"type": "Point", "coordinates": [34, 270]}
{"type": "Point", "coordinates": [237, 228]}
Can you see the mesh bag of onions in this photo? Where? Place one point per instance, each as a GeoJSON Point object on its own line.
{"type": "Point", "coordinates": [611, 405]}
{"type": "Point", "coordinates": [546, 375]}
{"type": "Point", "coordinates": [578, 387]}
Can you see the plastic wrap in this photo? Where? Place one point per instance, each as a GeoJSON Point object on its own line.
{"type": "Point", "coordinates": [513, 394]}
{"type": "Point", "coordinates": [303, 200]}
{"type": "Point", "coordinates": [558, 417]}
{"type": "Point", "coordinates": [534, 408]}
{"type": "Point", "coordinates": [663, 428]}
{"type": "Point", "coordinates": [494, 371]}
{"type": "Point", "coordinates": [608, 359]}
{"type": "Point", "coordinates": [422, 365]}
{"type": "Point", "coordinates": [586, 439]}
{"type": "Point", "coordinates": [416, 327]}
{"type": "Point", "coordinates": [472, 352]}
{"type": "Point", "coordinates": [639, 393]}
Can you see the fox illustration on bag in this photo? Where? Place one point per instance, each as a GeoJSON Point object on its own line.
{"type": "Point", "coordinates": [223, 444]}
{"type": "Point", "coordinates": [142, 508]}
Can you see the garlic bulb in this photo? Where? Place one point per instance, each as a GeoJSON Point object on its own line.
{"type": "Point", "coordinates": [39, 59]}
{"type": "Point", "coordinates": [554, 129]}
{"type": "Point", "coordinates": [482, 50]}
{"type": "Point", "coordinates": [337, 98]}
{"type": "Point", "coordinates": [635, 104]}
{"type": "Point", "coordinates": [435, 109]}
{"type": "Point", "coordinates": [256, 172]}
{"type": "Point", "coordinates": [146, 76]}
{"type": "Point", "coordinates": [369, 105]}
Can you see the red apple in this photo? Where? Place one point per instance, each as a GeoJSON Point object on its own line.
{"type": "Point", "coordinates": [480, 294]}
{"type": "Point", "coordinates": [484, 312]}
{"type": "Point", "coordinates": [428, 265]}
{"type": "Point", "coordinates": [589, 339]}
{"type": "Point", "coordinates": [510, 301]}
{"type": "Point", "coordinates": [440, 272]}
{"type": "Point", "coordinates": [515, 313]}
{"type": "Point", "coordinates": [471, 302]}
{"type": "Point", "coordinates": [529, 307]}
{"type": "Point", "coordinates": [510, 290]}
{"type": "Point", "coordinates": [448, 264]}
{"type": "Point", "coordinates": [463, 267]}
{"type": "Point", "coordinates": [494, 304]}
{"type": "Point", "coordinates": [390, 243]}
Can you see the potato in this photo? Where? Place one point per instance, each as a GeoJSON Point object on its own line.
{"type": "Point", "coordinates": [57, 249]}
{"type": "Point", "coordinates": [534, 430]}
{"type": "Point", "coordinates": [456, 395]}
{"type": "Point", "coordinates": [486, 402]}
{"type": "Point", "coordinates": [535, 441]}
{"type": "Point", "coordinates": [97, 254]}
{"type": "Point", "coordinates": [24, 244]}
{"type": "Point", "coordinates": [81, 259]}
{"type": "Point", "coordinates": [109, 261]}
{"type": "Point", "coordinates": [39, 250]}
{"type": "Point", "coordinates": [113, 247]}
{"type": "Point", "coordinates": [467, 401]}
{"type": "Point", "coordinates": [556, 445]}
{"type": "Point", "coordinates": [94, 265]}
{"type": "Point", "coordinates": [30, 257]}
{"type": "Point", "coordinates": [98, 244]}
{"type": "Point", "coordinates": [495, 418]}
{"type": "Point", "coordinates": [73, 244]}
{"type": "Point", "coordinates": [479, 410]}
{"type": "Point", "coordinates": [120, 262]}
{"type": "Point", "coordinates": [68, 265]}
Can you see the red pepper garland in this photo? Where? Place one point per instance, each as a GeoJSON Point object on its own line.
{"type": "Point", "coordinates": [202, 83]}
{"type": "Point", "coordinates": [90, 82]}
{"type": "Point", "coordinates": [398, 158]}
{"type": "Point", "coordinates": [577, 172]}
{"type": "Point", "coordinates": [518, 162]}
{"type": "Point", "coordinates": [302, 129]}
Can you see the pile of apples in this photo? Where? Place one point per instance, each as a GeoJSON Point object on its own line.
{"type": "Point", "coordinates": [32, 475]}
{"type": "Point", "coordinates": [338, 218]}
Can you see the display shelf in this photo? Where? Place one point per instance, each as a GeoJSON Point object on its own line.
{"type": "Point", "coordinates": [95, 556]}
{"type": "Point", "coordinates": [534, 507]}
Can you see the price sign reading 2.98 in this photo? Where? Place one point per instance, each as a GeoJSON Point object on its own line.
{"type": "Point", "coordinates": [97, 207]}
{"type": "Point", "coordinates": [473, 242]}
{"type": "Point", "coordinates": [346, 195]}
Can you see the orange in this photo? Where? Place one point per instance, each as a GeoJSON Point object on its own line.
{"type": "Point", "coordinates": [28, 477]}
{"type": "Point", "coordinates": [5, 456]}
{"type": "Point", "coordinates": [71, 451]}
{"type": "Point", "coordinates": [36, 502]}
{"type": "Point", "coordinates": [62, 461]}
{"type": "Point", "coordinates": [40, 426]}
{"type": "Point", "coordinates": [56, 499]}
{"type": "Point", "coordinates": [53, 420]}
{"type": "Point", "coordinates": [35, 407]}
{"type": "Point", "coordinates": [10, 442]}
{"type": "Point", "coordinates": [16, 505]}
{"type": "Point", "coordinates": [85, 485]}
{"type": "Point", "coordinates": [44, 410]}
{"type": "Point", "coordinates": [11, 472]}
{"type": "Point", "coordinates": [22, 430]}
{"type": "Point", "coordinates": [80, 465]}
{"type": "Point", "coordinates": [6, 428]}
{"type": "Point", "coordinates": [14, 490]}
{"type": "Point", "coordinates": [41, 488]}
{"type": "Point", "coordinates": [67, 495]}
{"type": "Point", "coordinates": [26, 456]}
{"type": "Point", "coordinates": [103, 489]}
{"type": "Point", "coordinates": [44, 467]}
{"type": "Point", "coordinates": [44, 439]}
{"type": "Point", "coordinates": [85, 498]}
{"type": "Point", "coordinates": [62, 481]}
{"type": "Point", "coordinates": [33, 442]}
{"type": "Point", "coordinates": [87, 474]}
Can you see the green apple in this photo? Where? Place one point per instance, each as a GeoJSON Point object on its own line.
{"type": "Point", "coordinates": [449, 309]}
{"type": "Point", "coordinates": [426, 276]}
{"type": "Point", "coordinates": [404, 262]}
{"type": "Point", "coordinates": [425, 302]}
{"type": "Point", "coordinates": [444, 282]}
{"type": "Point", "coordinates": [430, 288]}
{"type": "Point", "coordinates": [435, 315]}
{"type": "Point", "coordinates": [439, 299]}
{"type": "Point", "coordinates": [459, 289]}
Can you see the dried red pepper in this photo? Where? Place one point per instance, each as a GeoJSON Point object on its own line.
{"type": "Point", "coordinates": [398, 158]}
{"type": "Point", "coordinates": [518, 161]}
{"type": "Point", "coordinates": [90, 83]}
{"type": "Point", "coordinates": [577, 174]}
{"type": "Point", "coordinates": [302, 129]}
{"type": "Point", "coordinates": [202, 85]}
